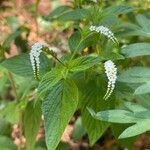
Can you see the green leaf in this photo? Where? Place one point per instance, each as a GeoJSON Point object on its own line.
{"type": "Point", "coordinates": [78, 131]}
{"type": "Point", "coordinates": [135, 107]}
{"type": "Point", "coordinates": [58, 107]}
{"type": "Point", "coordinates": [117, 129]}
{"type": "Point", "coordinates": [84, 62]}
{"type": "Point", "coordinates": [87, 40]}
{"type": "Point", "coordinates": [92, 96]}
{"type": "Point", "coordinates": [116, 10]}
{"type": "Point", "coordinates": [58, 12]}
{"type": "Point", "coordinates": [137, 49]}
{"type": "Point", "coordinates": [143, 22]}
{"type": "Point", "coordinates": [78, 14]}
{"type": "Point", "coordinates": [74, 41]}
{"type": "Point", "coordinates": [32, 118]}
{"type": "Point", "coordinates": [143, 89]}
{"type": "Point", "coordinates": [50, 79]}
{"type": "Point", "coordinates": [136, 129]}
{"type": "Point", "coordinates": [21, 65]}
{"type": "Point", "coordinates": [136, 30]}
{"type": "Point", "coordinates": [135, 75]}
{"type": "Point", "coordinates": [139, 116]}
{"type": "Point", "coordinates": [115, 116]}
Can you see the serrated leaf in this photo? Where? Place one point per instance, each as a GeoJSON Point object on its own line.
{"type": "Point", "coordinates": [137, 49]}
{"type": "Point", "coordinates": [58, 107]}
{"type": "Point", "coordinates": [91, 96]}
{"type": "Point", "coordinates": [50, 79]}
{"type": "Point", "coordinates": [32, 118]}
{"type": "Point", "coordinates": [84, 62]}
{"type": "Point", "coordinates": [135, 75]}
{"type": "Point", "coordinates": [87, 40]}
{"type": "Point", "coordinates": [74, 41]}
{"type": "Point", "coordinates": [21, 65]}
{"type": "Point", "coordinates": [136, 129]}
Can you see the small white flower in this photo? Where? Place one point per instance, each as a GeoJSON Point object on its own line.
{"type": "Point", "coordinates": [111, 73]}
{"type": "Point", "coordinates": [35, 52]}
{"type": "Point", "coordinates": [105, 31]}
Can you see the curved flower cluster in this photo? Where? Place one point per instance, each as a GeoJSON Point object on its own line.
{"type": "Point", "coordinates": [34, 57]}
{"type": "Point", "coordinates": [105, 31]}
{"type": "Point", "coordinates": [111, 72]}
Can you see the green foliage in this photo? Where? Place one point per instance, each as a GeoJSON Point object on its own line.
{"type": "Point", "coordinates": [92, 97]}
{"type": "Point", "coordinates": [21, 65]}
{"type": "Point", "coordinates": [31, 122]}
{"type": "Point", "coordinates": [125, 116]}
{"type": "Point", "coordinates": [137, 49]}
{"type": "Point", "coordinates": [78, 80]}
{"type": "Point", "coordinates": [58, 107]}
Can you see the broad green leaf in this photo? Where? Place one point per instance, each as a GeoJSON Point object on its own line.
{"type": "Point", "coordinates": [58, 107]}
{"type": "Point", "coordinates": [74, 41]}
{"type": "Point", "coordinates": [143, 89]}
{"type": "Point", "coordinates": [135, 75]}
{"type": "Point", "coordinates": [78, 14]}
{"type": "Point", "coordinates": [50, 79]}
{"type": "Point", "coordinates": [7, 144]}
{"type": "Point", "coordinates": [84, 62]}
{"type": "Point", "coordinates": [116, 10]}
{"type": "Point", "coordinates": [137, 49]}
{"type": "Point", "coordinates": [31, 123]}
{"type": "Point", "coordinates": [21, 65]}
{"type": "Point", "coordinates": [140, 118]}
{"type": "Point", "coordinates": [58, 12]}
{"type": "Point", "coordinates": [136, 30]}
{"type": "Point", "coordinates": [92, 96]}
{"type": "Point", "coordinates": [115, 116]}
{"type": "Point", "coordinates": [136, 129]}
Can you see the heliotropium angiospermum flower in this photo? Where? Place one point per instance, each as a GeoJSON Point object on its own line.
{"type": "Point", "coordinates": [35, 52]}
{"type": "Point", "coordinates": [105, 31]}
{"type": "Point", "coordinates": [111, 73]}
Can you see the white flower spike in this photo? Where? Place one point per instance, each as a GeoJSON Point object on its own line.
{"type": "Point", "coordinates": [34, 57]}
{"type": "Point", "coordinates": [111, 73]}
{"type": "Point", "coordinates": [105, 31]}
